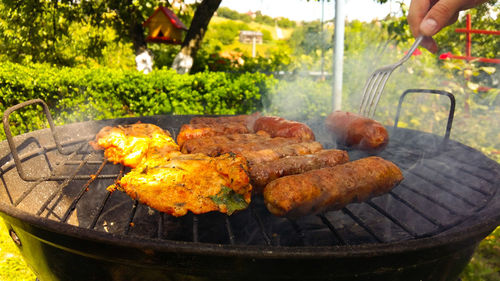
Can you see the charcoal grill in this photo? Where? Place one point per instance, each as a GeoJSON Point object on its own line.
{"type": "Point", "coordinates": [54, 201]}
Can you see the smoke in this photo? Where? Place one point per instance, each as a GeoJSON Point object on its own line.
{"type": "Point", "coordinates": [305, 96]}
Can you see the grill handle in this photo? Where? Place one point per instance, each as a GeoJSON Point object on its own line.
{"type": "Point", "coordinates": [10, 139]}
{"type": "Point", "coordinates": [451, 113]}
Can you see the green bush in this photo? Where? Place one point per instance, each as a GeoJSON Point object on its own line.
{"type": "Point", "coordinates": [79, 94]}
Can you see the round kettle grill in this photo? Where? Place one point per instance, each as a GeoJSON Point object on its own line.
{"type": "Point", "coordinates": [54, 201]}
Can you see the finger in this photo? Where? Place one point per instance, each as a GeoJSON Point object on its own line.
{"type": "Point", "coordinates": [453, 19]}
{"type": "Point", "coordinates": [429, 44]}
{"type": "Point", "coordinates": [440, 15]}
{"type": "Point", "coordinates": [416, 13]}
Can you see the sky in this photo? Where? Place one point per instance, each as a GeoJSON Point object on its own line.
{"type": "Point", "coordinates": [302, 10]}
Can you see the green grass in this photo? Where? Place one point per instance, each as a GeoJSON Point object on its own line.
{"type": "Point", "coordinates": [484, 266]}
{"type": "Point", "coordinates": [12, 265]}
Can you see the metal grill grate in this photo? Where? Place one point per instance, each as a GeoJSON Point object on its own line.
{"type": "Point", "coordinates": [438, 193]}
{"type": "Point", "coordinates": [445, 184]}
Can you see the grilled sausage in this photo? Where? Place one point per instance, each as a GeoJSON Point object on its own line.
{"type": "Point", "coordinates": [191, 131]}
{"type": "Point", "coordinates": [262, 173]}
{"type": "Point", "coordinates": [280, 127]}
{"type": "Point", "coordinates": [331, 188]}
{"type": "Point", "coordinates": [243, 119]}
{"type": "Point", "coordinates": [356, 131]}
{"type": "Point", "coordinates": [277, 152]}
{"type": "Point", "coordinates": [236, 143]}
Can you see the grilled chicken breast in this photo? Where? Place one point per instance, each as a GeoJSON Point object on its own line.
{"type": "Point", "coordinates": [131, 144]}
{"type": "Point", "coordinates": [190, 182]}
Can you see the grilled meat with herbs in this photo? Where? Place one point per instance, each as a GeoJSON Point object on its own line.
{"type": "Point", "coordinates": [190, 182]}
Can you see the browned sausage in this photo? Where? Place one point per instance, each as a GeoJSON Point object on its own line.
{"type": "Point", "coordinates": [331, 188]}
{"type": "Point", "coordinates": [244, 119]}
{"type": "Point", "coordinates": [280, 127]}
{"type": "Point", "coordinates": [356, 131]}
{"type": "Point", "coordinates": [192, 131]}
{"type": "Point", "coordinates": [277, 152]}
{"type": "Point", "coordinates": [262, 173]}
{"type": "Point", "coordinates": [236, 143]}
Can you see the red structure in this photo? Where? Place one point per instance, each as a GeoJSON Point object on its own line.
{"type": "Point", "coordinates": [469, 31]}
{"type": "Point", "coordinates": [164, 27]}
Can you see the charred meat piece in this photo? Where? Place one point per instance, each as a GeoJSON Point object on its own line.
{"type": "Point", "coordinates": [262, 173]}
{"type": "Point", "coordinates": [243, 119]}
{"type": "Point", "coordinates": [194, 182]}
{"type": "Point", "coordinates": [131, 144]}
{"type": "Point", "coordinates": [217, 145]}
{"type": "Point", "coordinates": [215, 126]}
{"type": "Point", "coordinates": [191, 131]}
{"type": "Point", "coordinates": [331, 188]}
{"type": "Point", "coordinates": [275, 153]}
{"type": "Point", "coordinates": [249, 145]}
{"type": "Point", "coordinates": [281, 127]}
{"type": "Point", "coordinates": [357, 131]}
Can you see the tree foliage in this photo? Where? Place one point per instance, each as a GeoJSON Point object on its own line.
{"type": "Point", "coordinates": [484, 17]}
{"type": "Point", "coordinates": [44, 31]}
{"type": "Point", "coordinates": [38, 31]}
{"type": "Point", "coordinates": [259, 18]}
{"type": "Point", "coordinates": [309, 38]}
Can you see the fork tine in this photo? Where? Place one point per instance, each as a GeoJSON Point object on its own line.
{"type": "Point", "coordinates": [375, 84]}
{"type": "Point", "coordinates": [378, 93]}
{"type": "Point", "coordinates": [368, 92]}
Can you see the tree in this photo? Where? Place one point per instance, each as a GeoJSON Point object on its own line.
{"type": "Point", "coordinates": [34, 30]}
{"type": "Point", "coordinates": [26, 36]}
{"type": "Point", "coordinates": [40, 31]}
{"type": "Point", "coordinates": [308, 39]}
{"type": "Point", "coordinates": [483, 17]}
{"type": "Point", "coordinates": [192, 42]}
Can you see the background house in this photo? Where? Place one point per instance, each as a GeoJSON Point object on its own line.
{"type": "Point", "coordinates": [247, 36]}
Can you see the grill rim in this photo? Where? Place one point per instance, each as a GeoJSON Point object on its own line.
{"type": "Point", "coordinates": [469, 233]}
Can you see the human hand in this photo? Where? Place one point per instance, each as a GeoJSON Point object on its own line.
{"type": "Point", "coordinates": [428, 17]}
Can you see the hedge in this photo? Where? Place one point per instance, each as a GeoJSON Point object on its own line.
{"type": "Point", "coordinates": [80, 94]}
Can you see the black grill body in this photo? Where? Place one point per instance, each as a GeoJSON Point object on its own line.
{"type": "Point", "coordinates": [70, 228]}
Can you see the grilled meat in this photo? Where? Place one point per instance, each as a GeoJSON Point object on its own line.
{"type": "Point", "coordinates": [165, 179]}
{"type": "Point", "coordinates": [215, 126]}
{"type": "Point", "coordinates": [131, 144]}
{"type": "Point", "coordinates": [190, 182]}
{"type": "Point", "coordinates": [243, 119]}
{"type": "Point", "coordinates": [280, 127]}
{"type": "Point", "coordinates": [356, 131]}
{"type": "Point", "coordinates": [254, 147]}
{"type": "Point", "coordinates": [262, 173]}
{"type": "Point", "coordinates": [191, 131]}
{"type": "Point", "coordinates": [331, 188]}
{"type": "Point", "coordinates": [276, 153]}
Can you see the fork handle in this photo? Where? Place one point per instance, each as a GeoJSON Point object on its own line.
{"type": "Point", "coordinates": [411, 50]}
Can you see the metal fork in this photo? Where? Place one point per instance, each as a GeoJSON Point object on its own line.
{"type": "Point", "coordinates": [376, 83]}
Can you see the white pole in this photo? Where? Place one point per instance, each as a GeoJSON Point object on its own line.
{"type": "Point", "coordinates": [254, 39]}
{"type": "Point", "coordinates": [322, 39]}
{"type": "Point", "coordinates": [338, 55]}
